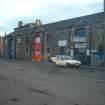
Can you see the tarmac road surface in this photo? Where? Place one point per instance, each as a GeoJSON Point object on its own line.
{"type": "Point", "coordinates": [30, 83]}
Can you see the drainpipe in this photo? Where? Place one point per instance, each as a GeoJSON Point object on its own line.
{"type": "Point", "coordinates": [90, 45]}
{"type": "Point", "coordinates": [45, 46]}
{"type": "Point", "coordinates": [15, 47]}
{"type": "Point", "coordinates": [104, 35]}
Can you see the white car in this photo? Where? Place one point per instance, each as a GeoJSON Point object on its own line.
{"type": "Point", "coordinates": [63, 60]}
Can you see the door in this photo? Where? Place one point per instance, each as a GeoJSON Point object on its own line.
{"type": "Point", "coordinates": [60, 60]}
{"type": "Point", "coordinates": [11, 48]}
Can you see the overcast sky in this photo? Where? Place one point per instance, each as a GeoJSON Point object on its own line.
{"type": "Point", "coordinates": [12, 11]}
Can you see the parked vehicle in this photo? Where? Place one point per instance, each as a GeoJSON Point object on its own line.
{"type": "Point", "coordinates": [64, 60]}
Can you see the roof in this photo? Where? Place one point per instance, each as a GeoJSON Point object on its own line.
{"type": "Point", "coordinates": [90, 19]}
{"type": "Point", "coordinates": [74, 22]}
{"type": "Point", "coordinates": [79, 21]}
{"type": "Point", "coordinates": [10, 35]}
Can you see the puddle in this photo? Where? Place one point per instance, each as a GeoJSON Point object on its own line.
{"type": "Point", "coordinates": [2, 77]}
{"type": "Point", "coordinates": [14, 99]}
{"type": "Point", "coordinates": [100, 82]}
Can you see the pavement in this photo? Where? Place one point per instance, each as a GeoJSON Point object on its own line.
{"type": "Point", "coordinates": [30, 83]}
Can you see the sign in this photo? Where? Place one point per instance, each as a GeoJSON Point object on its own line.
{"type": "Point", "coordinates": [87, 52]}
{"type": "Point", "coordinates": [79, 39]}
{"type": "Point", "coordinates": [72, 53]}
{"type": "Point", "coordinates": [81, 32]}
{"type": "Point", "coordinates": [37, 40]}
{"type": "Point", "coordinates": [94, 51]}
{"type": "Point", "coordinates": [62, 43]}
{"type": "Point", "coordinates": [80, 45]}
{"type": "Point", "coordinates": [19, 40]}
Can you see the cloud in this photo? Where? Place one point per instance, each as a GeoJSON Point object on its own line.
{"type": "Point", "coordinates": [48, 11]}
{"type": "Point", "coordinates": [21, 8]}
{"type": "Point", "coordinates": [2, 33]}
{"type": "Point", "coordinates": [2, 24]}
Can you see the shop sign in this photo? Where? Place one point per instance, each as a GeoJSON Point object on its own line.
{"type": "Point", "coordinates": [80, 45]}
{"type": "Point", "coordinates": [79, 39]}
{"type": "Point", "coordinates": [87, 52]}
{"type": "Point", "coordinates": [62, 43]}
{"type": "Point", "coordinates": [72, 53]}
{"type": "Point", "coordinates": [19, 40]}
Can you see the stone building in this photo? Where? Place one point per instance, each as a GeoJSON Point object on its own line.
{"type": "Point", "coordinates": [1, 45]}
{"type": "Point", "coordinates": [18, 44]}
{"type": "Point", "coordinates": [80, 37]}
{"type": "Point", "coordinates": [9, 46]}
{"type": "Point", "coordinates": [23, 41]}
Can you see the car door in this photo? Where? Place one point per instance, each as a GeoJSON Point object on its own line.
{"type": "Point", "coordinates": [61, 60]}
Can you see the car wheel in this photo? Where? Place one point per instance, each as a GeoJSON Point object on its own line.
{"type": "Point", "coordinates": [55, 64]}
{"type": "Point", "coordinates": [78, 66]}
{"type": "Point", "coordinates": [67, 65]}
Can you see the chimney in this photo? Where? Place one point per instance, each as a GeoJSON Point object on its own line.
{"type": "Point", "coordinates": [20, 24]}
{"type": "Point", "coordinates": [5, 34]}
{"type": "Point", "coordinates": [38, 22]}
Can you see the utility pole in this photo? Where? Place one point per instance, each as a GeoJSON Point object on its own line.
{"type": "Point", "coordinates": [104, 35]}
{"type": "Point", "coordinates": [90, 40]}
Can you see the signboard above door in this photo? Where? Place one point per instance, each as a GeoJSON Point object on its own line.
{"type": "Point", "coordinates": [62, 43]}
{"type": "Point", "coordinates": [79, 39]}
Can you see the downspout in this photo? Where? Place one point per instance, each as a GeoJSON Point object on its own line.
{"type": "Point", "coordinates": [104, 35]}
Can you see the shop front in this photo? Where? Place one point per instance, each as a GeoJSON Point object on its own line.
{"type": "Point", "coordinates": [80, 46]}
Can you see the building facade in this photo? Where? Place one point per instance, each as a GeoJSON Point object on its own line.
{"type": "Point", "coordinates": [80, 37]}
{"type": "Point", "coordinates": [1, 46]}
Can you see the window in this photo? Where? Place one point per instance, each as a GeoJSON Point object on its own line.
{"type": "Point", "coordinates": [27, 50]}
{"type": "Point", "coordinates": [48, 37]}
{"type": "Point", "coordinates": [19, 40]}
{"type": "Point", "coordinates": [48, 50]}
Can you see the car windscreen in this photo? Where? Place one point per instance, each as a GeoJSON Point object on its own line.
{"type": "Point", "coordinates": [60, 57]}
{"type": "Point", "coordinates": [68, 58]}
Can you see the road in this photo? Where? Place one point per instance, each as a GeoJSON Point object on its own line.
{"type": "Point", "coordinates": [30, 83]}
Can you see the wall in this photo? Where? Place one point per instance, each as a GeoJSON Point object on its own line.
{"type": "Point", "coordinates": [55, 37]}
{"type": "Point", "coordinates": [1, 46]}
{"type": "Point", "coordinates": [97, 41]}
{"type": "Point", "coordinates": [23, 47]}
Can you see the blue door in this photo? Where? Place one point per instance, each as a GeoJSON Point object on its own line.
{"type": "Point", "coordinates": [11, 48]}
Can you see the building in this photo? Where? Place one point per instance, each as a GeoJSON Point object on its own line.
{"type": "Point", "coordinates": [80, 37]}
{"type": "Point", "coordinates": [1, 46]}
{"type": "Point", "coordinates": [17, 43]}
